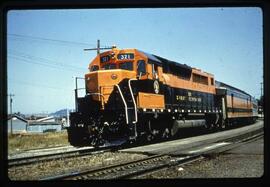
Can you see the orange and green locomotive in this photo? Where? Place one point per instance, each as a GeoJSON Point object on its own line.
{"type": "Point", "coordinates": [131, 95]}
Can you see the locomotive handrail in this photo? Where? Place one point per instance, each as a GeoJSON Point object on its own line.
{"type": "Point", "coordinates": [96, 93]}
{"type": "Point", "coordinates": [80, 89]}
{"type": "Point", "coordinates": [135, 106]}
{"type": "Point", "coordinates": [123, 101]}
{"type": "Point", "coordinates": [76, 91]}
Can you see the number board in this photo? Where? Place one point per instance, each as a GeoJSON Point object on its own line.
{"type": "Point", "coordinates": [126, 56]}
{"type": "Point", "coordinates": [105, 59]}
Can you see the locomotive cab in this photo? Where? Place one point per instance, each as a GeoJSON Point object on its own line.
{"type": "Point", "coordinates": [116, 67]}
{"type": "Point", "coordinates": [139, 64]}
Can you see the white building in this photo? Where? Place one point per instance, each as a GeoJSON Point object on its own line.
{"type": "Point", "coordinates": [19, 124]}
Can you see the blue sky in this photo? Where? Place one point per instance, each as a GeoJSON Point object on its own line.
{"type": "Point", "coordinates": [45, 47]}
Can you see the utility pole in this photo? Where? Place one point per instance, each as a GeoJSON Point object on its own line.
{"type": "Point", "coordinates": [262, 102]}
{"type": "Point", "coordinates": [11, 128]}
{"type": "Point", "coordinates": [261, 89]}
{"type": "Point", "coordinates": [67, 124]}
{"type": "Point", "coordinates": [98, 48]}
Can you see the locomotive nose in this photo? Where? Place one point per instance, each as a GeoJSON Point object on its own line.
{"type": "Point", "coordinates": [92, 82]}
{"type": "Point", "coordinates": [102, 82]}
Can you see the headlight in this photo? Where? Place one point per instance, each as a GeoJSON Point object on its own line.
{"type": "Point", "coordinates": [114, 76]}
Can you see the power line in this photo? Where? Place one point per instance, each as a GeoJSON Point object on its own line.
{"type": "Point", "coordinates": [48, 61]}
{"type": "Point", "coordinates": [45, 42]}
{"type": "Point", "coordinates": [37, 85]}
{"type": "Point", "coordinates": [38, 63]}
{"type": "Point", "coordinates": [55, 66]}
{"type": "Point", "coordinates": [31, 57]}
{"type": "Point", "coordinates": [49, 39]}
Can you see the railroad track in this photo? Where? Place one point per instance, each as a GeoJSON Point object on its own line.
{"type": "Point", "coordinates": [64, 154]}
{"type": "Point", "coordinates": [253, 136]}
{"type": "Point", "coordinates": [152, 163]}
{"type": "Point", "coordinates": [52, 156]}
{"type": "Point", "coordinates": [134, 168]}
{"type": "Point", "coordinates": [125, 170]}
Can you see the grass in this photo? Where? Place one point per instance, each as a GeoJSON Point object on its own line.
{"type": "Point", "coordinates": [22, 142]}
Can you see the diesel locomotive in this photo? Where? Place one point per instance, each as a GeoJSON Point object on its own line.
{"type": "Point", "coordinates": [133, 95]}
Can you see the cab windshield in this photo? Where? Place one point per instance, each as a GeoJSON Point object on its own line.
{"type": "Point", "coordinates": [110, 66]}
{"type": "Point", "coordinates": [126, 66]}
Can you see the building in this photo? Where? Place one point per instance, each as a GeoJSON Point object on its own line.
{"type": "Point", "coordinates": [47, 124]}
{"type": "Point", "coordinates": [40, 127]}
{"type": "Point", "coordinates": [19, 124]}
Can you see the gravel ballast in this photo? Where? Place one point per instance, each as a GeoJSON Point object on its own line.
{"type": "Point", "coordinates": [245, 161]}
{"type": "Point", "coordinates": [223, 166]}
{"type": "Point", "coordinates": [62, 166]}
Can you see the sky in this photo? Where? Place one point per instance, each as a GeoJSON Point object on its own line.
{"type": "Point", "coordinates": [46, 47]}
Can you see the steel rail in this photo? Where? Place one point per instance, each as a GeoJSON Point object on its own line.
{"type": "Point", "coordinates": [68, 154]}
{"type": "Point", "coordinates": [103, 170]}
{"type": "Point", "coordinates": [235, 144]}
{"type": "Point", "coordinates": [152, 163]}
{"type": "Point", "coordinates": [52, 156]}
{"type": "Point", "coordinates": [244, 136]}
{"type": "Point", "coordinates": [191, 158]}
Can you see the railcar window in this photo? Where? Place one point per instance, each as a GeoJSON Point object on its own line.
{"type": "Point", "coordinates": [212, 81]}
{"type": "Point", "coordinates": [141, 67]}
{"type": "Point", "coordinates": [126, 65]}
{"type": "Point", "coordinates": [110, 66]}
{"type": "Point", "coordinates": [174, 69]}
{"type": "Point", "coordinates": [184, 75]}
{"type": "Point", "coordinates": [200, 79]}
{"type": "Point", "coordinates": [94, 68]}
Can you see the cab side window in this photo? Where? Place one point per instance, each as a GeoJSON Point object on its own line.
{"type": "Point", "coordinates": [141, 69]}
{"type": "Point", "coordinates": [94, 68]}
{"type": "Point", "coordinates": [155, 71]}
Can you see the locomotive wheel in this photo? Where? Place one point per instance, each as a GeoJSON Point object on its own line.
{"type": "Point", "coordinates": [223, 124]}
{"type": "Point", "coordinates": [96, 142]}
{"type": "Point", "coordinates": [166, 134]}
{"type": "Point", "coordinates": [131, 141]}
{"type": "Point", "coordinates": [150, 137]}
{"type": "Point", "coordinates": [210, 126]}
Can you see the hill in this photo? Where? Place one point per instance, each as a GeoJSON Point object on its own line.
{"type": "Point", "coordinates": [61, 113]}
